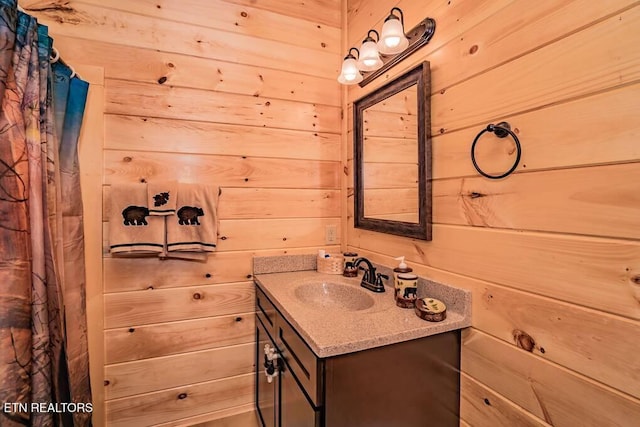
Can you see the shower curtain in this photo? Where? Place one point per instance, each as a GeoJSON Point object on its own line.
{"type": "Point", "coordinates": [44, 370]}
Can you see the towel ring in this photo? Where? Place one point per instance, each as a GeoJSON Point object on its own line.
{"type": "Point", "coordinates": [502, 130]}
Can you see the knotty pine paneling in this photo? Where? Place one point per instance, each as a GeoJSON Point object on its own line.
{"type": "Point", "coordinates": [96, 22]}
{"type": "Point", "coordinates": [183, 337]}
{"type": "Point", "coordinates": [241, 234]}
{"type": "Point", "coordinates": [483, 406]}
{"type": "Point", "coordinates": [142, 99]}
{"type": "Point", "coordinates": [166, 305]}
{"type": "Point", "coordinates": [555, 395]}
{"type": "Point", "coordinates": [575, 267]}
{"type": "Point", "coordinates": [240, 19]}
{"type": "Point", "coordinates": [241, 95]}
{"type": "Point", "coordinates": [550, 253]}
{"type": "Point", "coordinates": [257, 203]}
{"type": "Point", "coordinates": [599, 131]}
{"type": "Point", "coordinates": [236, 171]}
{"type": "Point", "coordinates": [243, 415]}
{"type": "Point", "coordinates": [142, 376]}
{"type": "Point", "coordinates": [181, 402]}
{"type": "Point", "coordinates": [174, 69]}
{"type": "Point", "coordinates": [579, 201]}
{"type": "Point", "coordinates": [130, 274]}
{"type": "Point", "coordinates": [327, 12]}
{"type": "Point", "coordinates": [600, 57]}
{"type": "Point", "coordinates": [189, 137]}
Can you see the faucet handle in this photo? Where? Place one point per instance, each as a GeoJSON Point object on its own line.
{"type": "Point", "coordinates": [379, 277]}
{"type": "Point", "coordinates": [365, 276]}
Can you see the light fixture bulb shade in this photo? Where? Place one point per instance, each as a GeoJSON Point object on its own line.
{"type": "Point", "coordinates": [392, 39]}
{"type": "Point", "coordinates": [369, 59]}
{"type": "Point", "coordinates": [350, 74]}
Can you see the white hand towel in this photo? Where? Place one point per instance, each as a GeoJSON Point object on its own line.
{"type": "Point", "coordinates": [161, 197]}
{"type": "Point", "coordinates": [194, 228]}
{"type": "Point", "coordinates": [132, 231]}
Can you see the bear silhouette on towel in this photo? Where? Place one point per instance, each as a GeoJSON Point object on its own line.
{"type": "Point", "coordinates": [188, 215]}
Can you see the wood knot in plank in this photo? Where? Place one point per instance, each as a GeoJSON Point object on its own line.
{"type": "Point", "coordinates": [61, 13]}
{"type": "Point", "coordinates": [182, 396]}
{"type": "Point", "coordinates": [476, 195]}
{"type": "Point", "coordinates": [523, 340]}
{"type": "Point", "coordinates": [197, 295]}
{"type": "Point", "coordinates": [635, 287]}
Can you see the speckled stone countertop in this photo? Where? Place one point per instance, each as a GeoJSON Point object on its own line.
{"type": "Point", "coordinates": [332, 330]}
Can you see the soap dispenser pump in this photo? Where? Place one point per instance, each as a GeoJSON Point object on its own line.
{"type": "Point", "coordinates": [401, 268]}
{"type": "Point", "coordinates": [405, 284]}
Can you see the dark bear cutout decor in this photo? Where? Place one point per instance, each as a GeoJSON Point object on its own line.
{"type": "Point", "coordinates": [410, 292]}
{"type": "Point", "coordinates": [160, 199]}
{"type": "Point", "coordinates": [135, 215]}
{"type": "Point", "coordinates": [188, 215]}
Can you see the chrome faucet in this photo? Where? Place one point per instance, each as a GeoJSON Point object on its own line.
{"type": "Point", "coordinates": [370, 279]}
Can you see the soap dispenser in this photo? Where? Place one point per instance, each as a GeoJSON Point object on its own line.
{"type": "Point", "coordinates": [401, 268]}
{"type": "Point", "coordinates": [405, 284]}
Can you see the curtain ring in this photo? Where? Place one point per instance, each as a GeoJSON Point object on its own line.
{"type": "Point", "coordinates": [56, 56]}
{"type": "Point", "coordinates": [502, 130]}
{"type": "Point", "coordinates": [73, 72]}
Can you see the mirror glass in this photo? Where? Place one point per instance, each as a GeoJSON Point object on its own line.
{"type": "Point", "coordinates": [392, 152]}
{"type": "Point", "coordinates": [390, 158]}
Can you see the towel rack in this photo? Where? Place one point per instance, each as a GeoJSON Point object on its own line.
{"type": "Point", "coordinates": [502, 130]}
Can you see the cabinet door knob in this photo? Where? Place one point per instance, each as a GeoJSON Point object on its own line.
{"type": "Point", "coordinates": [270, 368]}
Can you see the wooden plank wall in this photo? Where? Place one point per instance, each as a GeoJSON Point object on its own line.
{"type": "Point", "coordinates": [551, 253]}
{"type": "Point", "coordinates": [236, 93]}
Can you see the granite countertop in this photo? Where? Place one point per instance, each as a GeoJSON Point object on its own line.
{"type": "Point", "coordinates": [330, 330]}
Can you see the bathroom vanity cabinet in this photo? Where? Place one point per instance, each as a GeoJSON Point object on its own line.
{"type": "Point", "coordinates": [411, 383]}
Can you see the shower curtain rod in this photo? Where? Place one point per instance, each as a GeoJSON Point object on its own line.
{"type": "Point", "coordinates": [56, 54]}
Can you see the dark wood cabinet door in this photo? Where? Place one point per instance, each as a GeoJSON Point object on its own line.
{"type": "Point", "coordinates": [295, 408]}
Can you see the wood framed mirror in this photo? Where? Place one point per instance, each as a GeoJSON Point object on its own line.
{"type": "Point", "coordinates": [392, 157]}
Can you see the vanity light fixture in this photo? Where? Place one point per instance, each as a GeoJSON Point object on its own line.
{"type": "Point", "coordinates": [393, 46]}
{"type": "Point", "coordinates": [369, 59]}
{"type": "Point", "coordinates": [350, 73]}
{"type": "Point", "coordinates": [393, 39]}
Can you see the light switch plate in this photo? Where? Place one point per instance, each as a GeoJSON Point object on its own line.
{"type": "Point", "coordinates": [330, 234]}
